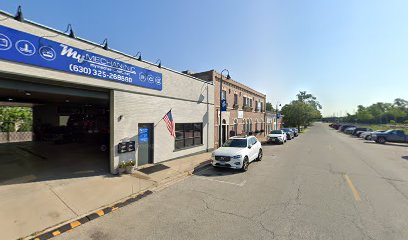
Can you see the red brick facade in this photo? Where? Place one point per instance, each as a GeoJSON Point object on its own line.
{"type": "Point", "coordinates": [252, 119]}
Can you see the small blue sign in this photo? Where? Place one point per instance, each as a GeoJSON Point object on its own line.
{"type": "Point", "coordinates": [278, 115]}
{"type": "Point", "coordinates": [223, 105]}
{"type": "Point", "coordinates": [143, 135]}
{"type": "Point", "coordinates": [17, 46]}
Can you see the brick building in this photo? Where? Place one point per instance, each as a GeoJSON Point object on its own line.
{"type": "Point", "coordinates": [245, 113]}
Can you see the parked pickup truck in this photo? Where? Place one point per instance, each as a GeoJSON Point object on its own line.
{"type": "Point", "coordinates": [390, 136]}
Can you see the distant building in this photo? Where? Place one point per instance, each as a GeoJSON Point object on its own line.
{"type": "Point", "coordinates": [272, 122]}
{"type": "Point", "coordinates": [245, 113]}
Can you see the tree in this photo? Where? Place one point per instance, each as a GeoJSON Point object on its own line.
{"type": "Point", "coordinates": [303, 111]}
{"type": "Point", "coordinates": [10, 115]}
{"type": "Point", "coordinates": [269, 107]}
{"type": "Point", "coordinates": [308, 98]}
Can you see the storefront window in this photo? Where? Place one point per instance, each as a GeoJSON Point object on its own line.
{"type": "Point", "coordinates": [188, 134]}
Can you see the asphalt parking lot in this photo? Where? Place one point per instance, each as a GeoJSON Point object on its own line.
{"type": "Point", "coordinates": [322, 185]}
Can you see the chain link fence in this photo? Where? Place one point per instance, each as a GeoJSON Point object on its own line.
{"type": "Point", "coordinates": [16, 131]}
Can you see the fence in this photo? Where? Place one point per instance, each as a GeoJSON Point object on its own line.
{"type": "Point", "coordinates": [8, 137]}
{"type": "Point", "coordinates": [15, 131]}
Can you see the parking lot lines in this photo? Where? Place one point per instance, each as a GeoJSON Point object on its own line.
{"type": "Point", "coordinates": [241, 184]}
{"type": "Point", "coordinates": [353, 189]}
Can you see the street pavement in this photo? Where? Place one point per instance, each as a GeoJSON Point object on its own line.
{"type": "Point", "coordinates": [321, 185]}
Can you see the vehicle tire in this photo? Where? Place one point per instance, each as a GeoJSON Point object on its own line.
{"type": "Point", "coordinates": [381, 140]}
{"type": "Point", "coordinates": [260, 155]}
{"type": "Point", "coordinates": [245, 164]}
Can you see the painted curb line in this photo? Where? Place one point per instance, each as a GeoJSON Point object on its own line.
{"type": "Point", "coordinates": [53, 232]}
{"type": "Point", "coordinates": [78, 222]}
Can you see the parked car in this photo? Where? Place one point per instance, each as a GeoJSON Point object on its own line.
{"type": "Point", "coordinates": [390, 136]}
{"type": "Point", "coordinates": [344, 127]}
{"type": "Point", "coordinates": [358, 131]}
{"type": "Point", "coordinates": [367, 135]}
{"type": "Point", "coordinates": [349, 130]}
{"type": "Point", "coordinates": [237, 153]}
{"type": "Point", "coordinates": [276, 136]}
{"type": "Point", "coordinates": [295, 131]}
{"type": "Point", "coordinates": [336, 126]}
{"type": "Point", "coordinates": [289, 133]}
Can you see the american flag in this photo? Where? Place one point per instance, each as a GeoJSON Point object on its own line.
{"type": "Point", "coordinates": [168, 118]}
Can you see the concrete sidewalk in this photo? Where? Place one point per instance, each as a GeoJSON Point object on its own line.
{"type": "Point", "coordinates": [32, 207]}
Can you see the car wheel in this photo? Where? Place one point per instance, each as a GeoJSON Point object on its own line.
{"type": "Point", "coordinates": [245, 164]}
{"type": "Point", "coordinates": [381, 140]}
{"type": "Point", "coordinates": [260, 155]}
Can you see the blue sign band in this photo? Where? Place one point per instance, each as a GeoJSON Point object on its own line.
{"type": "Point", "coordinates": [26, 48]}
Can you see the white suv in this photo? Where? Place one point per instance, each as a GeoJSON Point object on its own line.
{"type": "Point", "coordinates": [237, 153]}
{"type": "Point", "coordinates": [276, 136]}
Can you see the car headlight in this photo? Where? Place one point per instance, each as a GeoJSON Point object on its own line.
{"type": "Point", "coordinates": [237, 157]}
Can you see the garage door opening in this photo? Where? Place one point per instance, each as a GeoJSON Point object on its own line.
{"type": "Point", "coordinates": [52, 132]}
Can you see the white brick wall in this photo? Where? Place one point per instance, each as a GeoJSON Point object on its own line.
{"type": "Point", "coordinates": [137, 109]}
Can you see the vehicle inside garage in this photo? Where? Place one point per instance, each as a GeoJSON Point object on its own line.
{"type": "Point", "coordinates": [52, 132]}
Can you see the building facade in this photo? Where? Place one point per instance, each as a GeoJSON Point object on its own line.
{"type": "Point", "coordinates": [245, 113]}
{"type": "Point", "coordinates": [73, 82]}
{"type": "Point", "coordinates": [272, 122]}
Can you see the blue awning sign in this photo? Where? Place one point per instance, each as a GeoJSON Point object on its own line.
{"type": "Point", "coordinates": [18, 46]}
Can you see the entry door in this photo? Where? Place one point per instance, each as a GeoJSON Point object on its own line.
{"type": "Point", "coordinates": [146, 145]}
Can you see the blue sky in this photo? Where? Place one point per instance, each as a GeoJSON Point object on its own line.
{"type": "Point", "coordinates": [344, 52]}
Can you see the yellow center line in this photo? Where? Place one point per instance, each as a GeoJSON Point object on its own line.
{"type": "Point", "coordinates": [353, 189]}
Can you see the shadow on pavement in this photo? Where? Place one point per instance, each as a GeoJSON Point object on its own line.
{"type": "Point", "coordinates": [215, 172]}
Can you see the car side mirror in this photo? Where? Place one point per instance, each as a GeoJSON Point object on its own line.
{"type": "Point", "coordinates": [249, 146]}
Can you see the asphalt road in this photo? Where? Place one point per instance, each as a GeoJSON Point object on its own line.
{"type": "Point", "coordinates": [321, 185]}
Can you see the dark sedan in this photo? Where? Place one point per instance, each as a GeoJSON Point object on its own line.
{"type": "Point", "coordinates": [289, 133]}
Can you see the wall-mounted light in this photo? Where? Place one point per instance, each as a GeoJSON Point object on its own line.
{"type": "Point", "coordinates": [10, 99]}
{"type": "Point", "coordinates": [105, 44]}
{"type": "Point", "coordinates": [19, 15]}
{"type": "Point", "coordinates": [140, 56]}
{"type": "Point", "coordinates": [71, 31]}
{"type": "Point", "coordinates": [27, 93]}
{"type": "Point", "coordinates": [158, 61]}
{"type": "Point", "coordinates": [67, 100]}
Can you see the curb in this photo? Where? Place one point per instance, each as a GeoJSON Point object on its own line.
{"type": "Point", "coordinates": [76, 223]}
{"type": "Point", "coordinates": [56, 231]}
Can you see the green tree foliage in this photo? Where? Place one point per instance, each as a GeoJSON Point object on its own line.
{"type": "Point", "coordinates": [381, 112]}
{"type": "Point", "coordinates": [269, 107]}
{"type": "Point", "coordinates": [303, 111]}
{"type": "Point", "coordinates": [15, 119]}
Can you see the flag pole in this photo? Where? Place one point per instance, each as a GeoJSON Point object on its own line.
{"type": "Point", "coordinates": [163, 117]}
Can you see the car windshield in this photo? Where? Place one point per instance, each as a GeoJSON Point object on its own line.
{"type": "Point", "coordinates": [240, 143]}
{"type": "Point", "coordinates": [276, 132]}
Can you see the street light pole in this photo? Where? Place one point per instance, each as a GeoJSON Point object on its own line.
{"type": "Point", "coordinates": [220, 119]}
{"type": "Point", "coordinates": [276, 115]}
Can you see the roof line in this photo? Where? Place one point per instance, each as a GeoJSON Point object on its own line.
{"type": "Point", "coordinates": [96, 44]}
